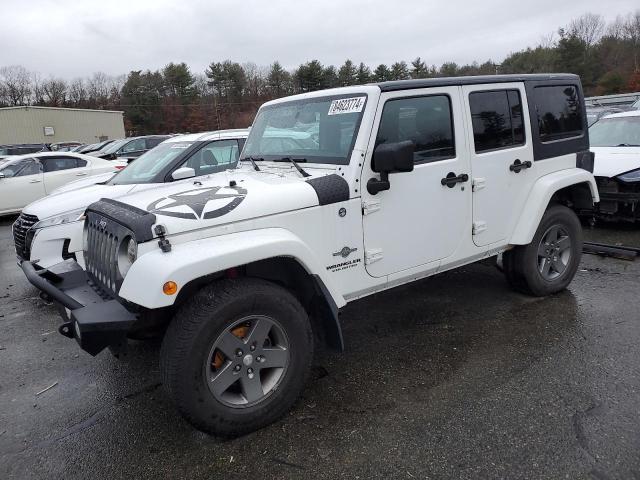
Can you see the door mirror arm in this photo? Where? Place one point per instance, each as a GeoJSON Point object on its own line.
{"type": "Point", "coordinates": [390, 158]}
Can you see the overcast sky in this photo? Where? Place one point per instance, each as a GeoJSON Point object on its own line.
{"type": "Point", "coordinates": [69, 38]}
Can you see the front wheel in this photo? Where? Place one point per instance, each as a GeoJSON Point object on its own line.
{"type": "Point", "coordinates": [236, 356]}
{"type": "Point", "coordinates": [549, 263]}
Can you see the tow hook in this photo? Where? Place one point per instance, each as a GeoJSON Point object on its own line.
{"type": "Point", "coordinates": [163, 243]}
{"type": "Point", "coordinates": [66, 329]}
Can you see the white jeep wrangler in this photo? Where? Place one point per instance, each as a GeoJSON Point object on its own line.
{"type": "Point", "coordinates": [342, 193]}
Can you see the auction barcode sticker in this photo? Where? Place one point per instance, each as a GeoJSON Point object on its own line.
{"type": "Point", "coordinates": [346, 105]}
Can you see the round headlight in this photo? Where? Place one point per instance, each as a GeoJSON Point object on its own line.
{"type": "Point", "coordinates": [132, 250]}
{"type": "Point", "coordinates": [127, 254]}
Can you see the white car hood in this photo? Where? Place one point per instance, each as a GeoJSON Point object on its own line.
{"type": "Point", "coordinates": [66, 201]}
{"type": "Point", "coordinates": [612, 161]}
{"type": "Point", "coordinates": [84, 182]}
{"type": "Point", "coordinates": [228, 197]}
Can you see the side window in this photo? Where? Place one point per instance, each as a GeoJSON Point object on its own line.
{"type": "Point", "coordinates": [426, 121]}
{"type": "Point", "coordinates": [28, 166]}
{"type": "Point", "coordinates": [496, 117]}
{"type": "Point", "coordinates": [55, 164]}
{"type": "Point", "coordinates": [153, 142]}
{"type": "Point", "coordinates": [134, 146]}
{"type": "Point", "coordinates": [81, 163]}
{"type": "Point", "coordinates": [559, 112]}
{"type": "Point", "coordinates": [214, 157]}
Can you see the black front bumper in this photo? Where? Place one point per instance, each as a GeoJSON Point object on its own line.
{"type": "Point", "coordinates": [619, 201]}
{"type": "Point", "coordinates": [94, 321]}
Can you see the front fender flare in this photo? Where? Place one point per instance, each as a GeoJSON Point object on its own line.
{"type": "Point", "coordinates": [196, 259]}
{"type": "Point", "coordinates": [540, 196]}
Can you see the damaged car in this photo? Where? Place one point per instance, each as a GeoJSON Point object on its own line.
{"type": "Point", "coordinates": [615, 140]}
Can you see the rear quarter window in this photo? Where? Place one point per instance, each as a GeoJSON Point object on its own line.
{"type": "Point", "coordinates": [559, 111]}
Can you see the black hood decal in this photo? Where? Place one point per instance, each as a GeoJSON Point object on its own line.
{"type": "Point", "coordinates": [197, 200]}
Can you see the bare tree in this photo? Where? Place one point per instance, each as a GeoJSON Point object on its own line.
{"type": "Point", "coordinates": [631, 31]}
{"type": "Point", "coordinates": [548, 40]}
{"type": "Point", "coordinates": [78, 92]}
{"type": "Point", "coordinates": [55, 92]}
{"type": "Point", "coordinates": [98, 89]}
{"type": "Point", "coordinates": [16, 85]}
{"type": "Point", "coordinates": [588, 28]}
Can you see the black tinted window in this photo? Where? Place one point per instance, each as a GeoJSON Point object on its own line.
{"type": "Point", "coordinates": [81, 163]}
{"type": "Point", "coordinates": [497, 119]}
{"type": "Point", "coordinates": [559, 112]}
{"type": "Point", "coordinates": [152, 142]}
{"type": "Point", "coordinates": [58, 163]}
{"type": "Point", "coordinates": [426, 121]}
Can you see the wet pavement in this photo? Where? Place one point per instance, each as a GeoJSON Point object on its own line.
{"type": "Point", "coordinates": [455, 376]}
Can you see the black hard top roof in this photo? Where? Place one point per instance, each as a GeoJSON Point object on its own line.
{"type": "Point", "coordinates": [472, 80]}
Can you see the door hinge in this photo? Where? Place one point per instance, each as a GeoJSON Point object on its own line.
{"type": "Point", "coordinates": [370, 206]}
{"type": "Point", "coordinates": [479, 227]}
{"type": "Point", "coordinates": [478, 183]}
{"type": "Point", "coordinates": [372, 255]}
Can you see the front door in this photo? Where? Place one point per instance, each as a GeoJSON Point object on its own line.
{"type": "Point", "coordinates": [422, 218]}
{"type": "Point", "coordinates": [21, 185]}
{"type": "Point", "coordinates": [501, 158]}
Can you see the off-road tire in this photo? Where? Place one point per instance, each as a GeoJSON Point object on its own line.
{"type": "Point", "coordinates": [193, 331]}
{"type": "Point", "coordinates": [520, 264]}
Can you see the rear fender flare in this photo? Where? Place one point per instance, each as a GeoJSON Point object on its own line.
{"type": "Point", "coordinates": [540, 196]}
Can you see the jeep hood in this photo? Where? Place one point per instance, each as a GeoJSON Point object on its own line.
{"type": "Point", "coordinates": [613, 161]}
{"type": "Point", "coordinates": [235, 196]}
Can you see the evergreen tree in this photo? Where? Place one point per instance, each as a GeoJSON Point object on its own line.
{"type": "Point", "coordinates": [381, 73]}
{"type": "Point", "coordinates": [348, 74]}
{"type": "Point", "coordinates": [363, 75]}
{"type": "Point", "coordinates": [400, 71]}
{"type": "Point", "coordinates": [419, 68]}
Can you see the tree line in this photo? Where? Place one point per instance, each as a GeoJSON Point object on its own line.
{"type": "Point", "coordinates": [227, 94]}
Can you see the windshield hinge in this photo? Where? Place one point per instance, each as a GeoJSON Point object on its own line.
{"type": "Point", "coordinates": [479, 227]}
{"type": "Point", "coordinates": [370, 206]}
{"type": "Point", "coordinates": [372, 255]}
{"type": "Point", "coordinates": [478, 184]}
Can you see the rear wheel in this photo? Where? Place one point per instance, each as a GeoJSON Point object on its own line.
{"type": "Point", "coordinates": [237, 355]}
{"type": "Point", "coordinates": [549, 263]}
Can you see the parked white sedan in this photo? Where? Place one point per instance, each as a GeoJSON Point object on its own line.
{"type": "Point", "coordinates": [26, 178]}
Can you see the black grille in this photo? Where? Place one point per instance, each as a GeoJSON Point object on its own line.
{"type": "Point", "coordinates": [23, 235]}
{"type": "Point", "coordinates": [103, 242]}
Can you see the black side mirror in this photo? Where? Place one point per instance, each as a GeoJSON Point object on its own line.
{"type": "Point", "coordinates": [390, 158]}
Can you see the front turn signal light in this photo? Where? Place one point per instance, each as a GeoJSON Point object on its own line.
{"type": "Point", "coordinates": [170, 288]}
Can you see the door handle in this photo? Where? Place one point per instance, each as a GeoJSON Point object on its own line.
{"type": "Point", "coordinates": [35, 181]}
{"type": "Point", "coordinates": [451, 179]}
{"type": "Point", "coordinates": [518, 165]}
{"type": "Point", "coordinates": [80, 174]}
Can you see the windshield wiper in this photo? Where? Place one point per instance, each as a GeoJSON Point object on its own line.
{"type": "Point", "coordinates": [627, 145]}
{"type": "Point", "coordinates": [295, 164]}
{"type": "Point", "coordinates": [253, 162]}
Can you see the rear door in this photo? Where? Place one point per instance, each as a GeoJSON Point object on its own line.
{"type": "Point", "coordinates": [419, 220]}
{"type": "Point", "coordinates": [501, 158]}
{"type": "Point", "coordinates": [61, 170]}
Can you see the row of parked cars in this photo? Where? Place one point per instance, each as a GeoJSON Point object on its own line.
{"type": "Point", "coordinates": [29, 172]}
{"type": "Point", "coordinates": [240, 247]}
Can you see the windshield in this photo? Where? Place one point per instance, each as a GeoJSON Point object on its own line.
{"type": "Point", "coordinates": [317, 130]}
{"type": "Point", "coordinates": [115, 146]}
{"type": "Point", "coordinates": [614, 132]}
{"type": "Point", "coordinates": [145, 168]}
